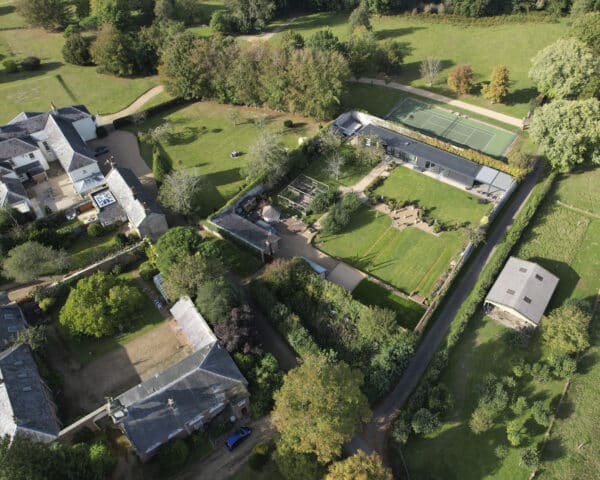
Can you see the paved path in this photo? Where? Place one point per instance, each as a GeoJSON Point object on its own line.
{"type": "Point", "coordinates": [501, 117]}
{"type": "Point", "coordinates": [374, 435]}
{"type": "Point", "coordinates": [134, 107]}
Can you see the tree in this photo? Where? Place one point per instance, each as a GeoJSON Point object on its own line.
{"type": "Point", "coordinates": [160, 165]}
{"type": "Point", "coordinates": [237, 332]}
{"type": "Point", "coordinates": [296, 466]}
{"type": "Point", "coordinates": [430, 69]}
{"type": "Point", "coordinates": [564, 68]}
{"type": "Point", "coordinates": [519, 406]}
{"type": "Point", "coordinates": [482, 420]}
{"type": "Point", "coordinates": [320, 406]}
{"type": "Point", "coordinates": [515, 432]}
{"type": "Point", "coordinates": [358, 466]}
{"type": "Point", "coordinates": [76, 50]}
{"type": "Point", "coordinates": [291, 40]}
{"type": "Point", "coordinates": [566, 330]}
{"type": "Point", "coordinates": [251, 14]}
{"type": "Point", "coordinates": [181, 191]}
{"type": "Point", "coordinates": [568, 132]}
{"type": "Point", "coordinates": [540, 413]}
{"type": "Point", "coordinates": [363, 52]}
{"type": "Point", "coordinates": [377, 324]}
{"type": "Point", "coordinates": [31, 260]}
{"type": "Point", "coordinates": [530, 458]}
{"type": "Point", "coordinates": [335, 165]}
{"type": "Point", "coordinates": [586, 28]}
{"type": "Point", "coordinates": [324, 40]}
{"type": "Point", "coordinates": [101, 305]}
{"type": "Point", "coordinates": [581, 7]}
{"type": "Point", "coordinates": [175, 245]}
{"type": "Point", "coordinates": [359, 17]}
{"type": "Point", "coordinates": [460, 79]}
{"type": "Point", "coordinates": [48, 14]}
{"type": "Point", "coordinates": [185, 276]}
{"type": "Point", "coordinates": [497, 89]}
{"type": "Point", "coordinates": [268, 159]}
{"type": "Point", "coordinates": [215, 299]}
{"type": "Point", "coordinates": [390, 56]}
{"type": "Point", "coordinates": [222, 22]}
{"type": "Point", "coordinates": [233, 115]}
{"type": "Point", "coordinates": [424, 422]}
{"type": "Point", "coordinates": [113, 51]}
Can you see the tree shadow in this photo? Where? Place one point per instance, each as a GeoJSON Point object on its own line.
{"type": "Point", "coordinates": [553, 450]}
{"type": "Point", "coordinates": [522, 95]}
{"type": "Point", "coordinates": [6, 9]}
{"type": "Point", "coordinates": [395, 32]}
{"type": "Point", "coordinates": [568, 278]}
{"type": "Point", "coordinates": [565, 410]}
{"type": "Point", "coordinates": [186, 135]}
{"type": "Point", "coordinates": [45, 67]}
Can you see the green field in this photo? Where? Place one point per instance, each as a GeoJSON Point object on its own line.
{"type": "Point", "coordinates": [458, 129]}
{"type": "Point", "coordinates": [567, 243]}
{"type": "Point", "coordinates": [204, 138]}
{"type": "Point", "coordinates": [56, 81]}
{"type": "Point", "coordinates": [408, 313]}
{"type": "Point", "coordinates": [483, 47]}
{"type": "Point", "coordinates": [443, 202]}
{"type": "Point", "coordinates": [459, 454]}
{"type": "Point", "coordinates": [410, 260]}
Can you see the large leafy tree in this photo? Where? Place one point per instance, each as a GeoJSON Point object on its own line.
{"type": "Point", "coordinates": [359, 466]}
{"type": "Point", "coordinates": [497, 89]}
{"type": "Point", "coordinates": [48, 14]}
{"type": "Point", "coordinates": [587, 29]}
{"type": "Point", "coordinates": [566, 330]}
{"type": "Point", "coordinates": [113, 51]}
{"type": "Point", "coordinates": [181, 191]}
{"type": "Point", "coordinates": [76, 50]}
{"type": "Point", "coordinates": [460, 79]}
{"type": "Point", "coordinates": [564, 68]}
{"type": "Point", "coordinates": [568, 132]}
{"type": "Point", "coordinates": [30, 260]}
{"type": "Point", "coordinates": [320, 406]}
{"type": "Point", "coordinates": [185, 276]}
{"type": "Point", "coordinates": [101, 305]}
{"type": "Point", "coordinates": [250, 14]}
{"type": "Point", "coordinates": [175, 245]}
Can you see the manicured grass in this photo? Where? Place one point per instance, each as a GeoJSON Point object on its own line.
{"type": "Point", "coordinates": [448, 204]}
{"type": "Point", "coordinates": [350, 174]}
{"type": "Point", "coordinates": [483, 47]}
{"type": "Point", "coordinates": [408, 313]}
{"type": "Point", "coordinates": [411, 260]}
{"type": "Point", "coordinates": [458, 453]}
{"type": "Point", "coordinates": [238, 259]}
{"type": "Point", "coordinates": [56, 81]}
{"type": "Point", "coordinates": [205, 138]}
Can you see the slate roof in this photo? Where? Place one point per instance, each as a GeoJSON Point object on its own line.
{"type": "Point", "coordinates": [63, 131]}
{"type": "Point", "coordinates": [131, 195]}
{"type": "Point", "coordinates": [11, 322]}
{"type": "Point", "coordinates": [183, 396]}
{"type": "Point", "coordinates": [192, 324]}
{"type": "Point", "coordinates": [34, 122]}
{"type": "Point", "coordinates": [11, 192]}
{"type": "Point", "coordinates": [525, 287]}
{"type": "Point", "coordinates": [13, 147]}
{"type": "Point", "coordinates": [410, 145]}
{"type": "Point", "coordinates": [25, 404]}
{"type": "Point", "coordinates": [244, 229]}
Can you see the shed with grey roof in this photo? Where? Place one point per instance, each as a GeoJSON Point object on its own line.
{"type": "Point", "coordinates": [521, 294]}
{"type": "Point", "coordinates": [192, 324]}
{"type": "Point", "coordinates": [246, 231]}
{"type": "Point", "coordinates": [26, 407]}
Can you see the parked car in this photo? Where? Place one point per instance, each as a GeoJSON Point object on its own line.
{"type": "Point", "coordinates": [101, 150]}
{"type": "Point", "coordinates": [238, 437]}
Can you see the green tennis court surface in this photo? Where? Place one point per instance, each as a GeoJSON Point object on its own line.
{"type": "Point", "coordinates": [452, 126]}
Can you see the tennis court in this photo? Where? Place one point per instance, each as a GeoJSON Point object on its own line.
{"type": "Point", "coordinates": [452, 126]}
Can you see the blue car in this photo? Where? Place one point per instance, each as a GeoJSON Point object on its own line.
{"type": "Point", "coordinates": [238, 437]}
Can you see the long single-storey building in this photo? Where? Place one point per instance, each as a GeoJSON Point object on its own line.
{"type": "Point", "coordinates": [520, 295]}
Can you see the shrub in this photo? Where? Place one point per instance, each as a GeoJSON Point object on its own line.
{"type": "Point", "coordinates": [222, 21]}
{"type": "Point", "coordinates": [519, 406]}
{"type": "Point", "coordinates": [322, 201]}
{"type": "Point", "coordinates": [259, 456]}
{"type": "Point", "coordinates": [540, 414]}
{"type": "Point", "coordinates": [95, 230]}
{"type": "Point", "coordinates": [530, 458]}
{"type": "Point", "coordinates": [46, 304]}
{"type": "Point", "coordinates": [10, 66]}
{"type": "Point", "coordinates": [562, 366]}
{"type": "Point", "coordinates": [501, 452]}
{"type": "Point", "coordinates": [424, 422]}
{"type": "Point", "coordinates": [31, 63]}
{"type": "Point", "coordinates": [101, 460]}
{"type": "Point", "coordinates": [401, 429]}
{"type": "Point", "coordinates": [173, 456]}
{"type": "Point", "coordinates": [121, 239]}
{"type": "Point", "coordinates": [482, 419]}
{"type": "Point", "coordinates": [515, 432]}
{"type": "Point", "coordinates": [148, 271]}
{"type": "Point", "coordinates": [288, 123]}
{"type": "Point", "coordinates": [76, 50]}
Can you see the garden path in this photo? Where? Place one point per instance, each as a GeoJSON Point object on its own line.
{"type": "Point", "coordinates": [134, 107]}
{"type": "Point", "coordinates": [501, 117]}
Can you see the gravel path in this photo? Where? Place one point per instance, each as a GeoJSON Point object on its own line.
{"type": "Point", "coordinates": [134, 107]}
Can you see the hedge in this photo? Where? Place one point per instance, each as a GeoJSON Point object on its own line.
{"type": "Point", "coordinates": [477, 295]}
{"type": "Point", "coordinates": [537, 17]}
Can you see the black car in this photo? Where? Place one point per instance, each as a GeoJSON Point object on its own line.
{"type": "Point", "coordinates": [100, 151]}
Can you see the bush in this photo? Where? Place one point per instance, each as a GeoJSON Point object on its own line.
{"type": "Point", "coordinates": [10, 66]}
{"type": "Point", "coordinates": [424, 422]}
{"type": "Point", "coordinates": [520, 406]}
{"type": "Point", "coordinates": [562, 366]}
{"type": "Point", "coordinates": [501, 452]}
{"type": "Point", "coordinates": [46, 304]}
{"type": "Point", "coordinates": [95, 230]}
{"type": "Point", "coordinates": [531, 458]}
{"type": "Point", "coordinates": [76, 50]}
{"type": "Point", "coordinates": [515, 432]}
{"type": "Point", "coordinates": [222, 21]}
{"type": "Point", "coordinates": [259, 456]}
{"type": "Point", "coordinates": [31, 63]}
{"type": "Point", "coordinates": [322, 201]}
{"type": "Point", "coordinates": [288, 123]}
{"type": "Point", "coordinates": [101, 460]}
{"type": "Point", "coordinates": [148, 271]}
{"type": "Point", "coordinates": [540, 414]}
{"type": "Point", "coordinates": [173, 456]}
{"type": "Point", "coordinates": [121, 239]}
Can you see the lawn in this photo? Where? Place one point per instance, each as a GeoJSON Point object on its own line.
{"type": "Point", "coordinates": [447, 204]}
{"type": "Point", "coordinates": [480, 351]}
{"type": "Point", "coordinates": [56, 81]}
{"type": "Point", "coordinates": [410, 260]}
{"type": "Point", "coordinates": [483, 47]}
{"type": "Point", "coordinates": [350, 173]}
{"type": "Point", "coordinates": [408, 313]}
{"type": "Point", "coordinates": [582, 190]}
{"type": "Point", "coordinates": [87, 250]}
{"type": "Point", "coordinates": [204, 138]}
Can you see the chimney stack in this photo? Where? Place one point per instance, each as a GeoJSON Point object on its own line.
{"type": "Point", "coordinates": [171, 403]}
